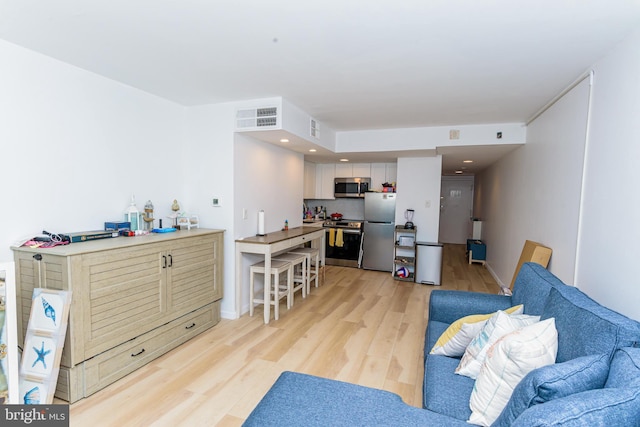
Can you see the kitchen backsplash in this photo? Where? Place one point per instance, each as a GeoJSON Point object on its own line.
{"type": "Point", "coordinates": [349, 208]}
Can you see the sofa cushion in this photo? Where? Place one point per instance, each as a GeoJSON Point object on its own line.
{"type": "Point", "coordinates": [585, 327]}
{"type": "Point", "coordinates": [305, 400]}
{"type": "Point", "coordinates": [508, 361]}
{"type": "Point", "coordinates": [496, 327]}
{"type": "Point", "coordinates": [601, 407]}
{"type": "Point", "coordinates": [625, 369]}
{"type": "Point", "coordinates": [554, 382]}
{"type": "Point", "coordinates": [445, 392]}
{"type": "Point", "coordinates": [532, 286]}
{"type": "Point", "coordinates": [455, 339]}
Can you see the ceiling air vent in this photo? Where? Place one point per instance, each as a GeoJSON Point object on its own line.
{"type": "Point", "coordinates": [257, 118]}
{"type": "Point", "coordinates": [314, 130]}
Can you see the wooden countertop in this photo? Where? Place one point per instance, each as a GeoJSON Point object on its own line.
{"type": "Point", "coordinates": [278, 236]}
{"type": "Point", "coordinates": [117, 242]}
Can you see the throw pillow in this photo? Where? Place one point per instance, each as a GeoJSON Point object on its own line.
{"type": "Point", "coordinates": [602, 407]}
{"type": "Point", "coordinates": [511, 358]}
{"type": "Point", "coordinates": [454, 341]}
{"type": "Point", "coordinates": [496, 327]}
{"type": "Point", "coordinates": [554, 382]}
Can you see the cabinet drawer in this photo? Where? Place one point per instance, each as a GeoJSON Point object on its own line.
{"type": "Point", "coordinates": [114, 364]}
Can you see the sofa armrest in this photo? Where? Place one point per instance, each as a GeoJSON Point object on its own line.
{"type": "Point", "coordinates": [449, 306]}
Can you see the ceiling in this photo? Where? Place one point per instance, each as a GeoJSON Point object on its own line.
{"type": "Point", "coordinates": [352, 65]}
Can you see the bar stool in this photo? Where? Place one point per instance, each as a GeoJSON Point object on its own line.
{"type": "Point", "coordinates": [299, 281]}
{"type": "Point", "coordinates": [312, 273]}
{"type": "Point", "coordinates": [278, 291]}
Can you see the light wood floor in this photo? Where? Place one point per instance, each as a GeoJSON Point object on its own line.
{"type": "Point", "coordinates": [360, 326]}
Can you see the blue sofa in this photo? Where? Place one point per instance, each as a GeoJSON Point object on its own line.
{"type": "Point", "coordinates": [595, 380]}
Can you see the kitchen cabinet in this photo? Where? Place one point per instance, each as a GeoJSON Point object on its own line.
{"type": "Point", "coordinates": [325, 174]}
{"type": "Point", "coordinates": [381, 173]}
{"type": "Point", "coordinates": [404, 253]}
{"type": "Point", "coordinates": [353, 170]}
{"type": "Point", "coordinates": [309, 189]}
{"type": "Point", "coordinates": [362, 170]}
{"type": "Point", "coordinates": [133, 299]}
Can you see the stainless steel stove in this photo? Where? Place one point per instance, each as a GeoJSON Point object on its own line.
{"type": "Point", "coordinates": [343, 243]}
{"type": "Point", "coordinates": [352, 224]}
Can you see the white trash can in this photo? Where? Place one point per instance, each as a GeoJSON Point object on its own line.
{"type": "Point", "coordinates": [429, 263]}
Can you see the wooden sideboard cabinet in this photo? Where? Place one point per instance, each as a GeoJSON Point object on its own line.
{"type": "Point", "coordinates": [133, 299]}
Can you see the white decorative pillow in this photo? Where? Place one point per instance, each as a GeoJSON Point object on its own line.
{"type": "Point", "coordinates": [508, 361]}
{"type": "Point", "coordinates": [454, 341]}
{"type": "Point", "coordinates": [496, 327]}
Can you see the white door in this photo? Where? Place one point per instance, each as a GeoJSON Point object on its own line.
{"type": "Point", "coordinates": [456, 209]}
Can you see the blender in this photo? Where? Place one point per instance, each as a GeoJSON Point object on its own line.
{"type": "Point", "coordinates": [408, 215]}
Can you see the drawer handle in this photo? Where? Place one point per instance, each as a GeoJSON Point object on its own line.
{"type": "Point", "coordinates": [138, 353]}
{"type": "Point", "coordinates": [37, 257]}
{"type": "Point", "coordinates": [190, 326]}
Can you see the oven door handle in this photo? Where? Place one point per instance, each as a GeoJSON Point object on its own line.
{"type": "Point", "coordinates": [348, 231]}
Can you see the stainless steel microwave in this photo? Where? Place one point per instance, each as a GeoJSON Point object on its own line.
{"type": "Point", "coordinates": [351, 187]}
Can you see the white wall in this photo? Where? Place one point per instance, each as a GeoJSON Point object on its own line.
{"type": "Point", "coordinates": [208, 173]}
{"type": "Point", "coordinates": [426, 138]}
{"type": "Point", "coordinates": [533, 193]}
{"type": "Point", "coordinates": [609, 251]}
{"type": "Point", "coordinates": [419, 183]}
{"type": "Point", "coordinates": [265, 177]}
{"type": "Point", "coordinates": [74, 146]}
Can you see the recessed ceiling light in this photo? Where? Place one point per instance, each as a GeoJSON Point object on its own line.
{"type": "Point", "coordinates": [284, 140]}
{"type": "Point", "coordinates": [313, 150]}
{"type": "Point", "coordinates": [467, 161]}
{"type": "Point", "coordinates": [344, 160]}
{"type": "Point", "coordinates": [458, 172]}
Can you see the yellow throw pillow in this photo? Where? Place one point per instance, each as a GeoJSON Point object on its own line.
{"type": "Point", "coordinates": [454, 341]}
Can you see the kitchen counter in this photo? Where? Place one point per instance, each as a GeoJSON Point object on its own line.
{"type": "Point", "coordinates": [314, 222]}
{"type": "Point", "coordinates": [269, 244]}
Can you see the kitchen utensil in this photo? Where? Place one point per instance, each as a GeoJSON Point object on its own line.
{"type": "Point", "coordinates": [336, 216]}
{"type": "Point", "coordinates": [408, 215]}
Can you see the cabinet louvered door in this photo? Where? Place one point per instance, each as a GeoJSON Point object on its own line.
{"type": "Point", "coordinates": [192, 274]}
{"type": "Point", "coordinates": [125, 295]}
{"type": "Point", "coordinates": [42, 270]}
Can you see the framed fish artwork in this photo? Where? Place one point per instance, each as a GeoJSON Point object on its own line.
{"type": "Point", "coordinates": [33, 391]}
{"type": "Point", "coordinates": [9, 379]}
{"type": "Point", "coordinates": [43, 345]}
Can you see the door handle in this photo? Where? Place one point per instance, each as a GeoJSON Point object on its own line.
{"type": "Point", "coordinates": [170, 260]}
{"type": "Point", "coordinates": [164, 261]}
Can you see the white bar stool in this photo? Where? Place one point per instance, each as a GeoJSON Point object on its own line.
{"type": "Point", "coordinates": [278, 291]}
{"type": "Point", "coordinates": [299, 281]}
{"type": "Point", "coordinates": [312, 254]}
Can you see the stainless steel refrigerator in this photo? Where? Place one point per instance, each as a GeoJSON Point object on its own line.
{"type": "Point", "coordinates": [379, 224]}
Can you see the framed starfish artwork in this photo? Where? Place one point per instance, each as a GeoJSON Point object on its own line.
{"type": "Point", "coordinates": [38, 354]}
{"type": "Point", "coordinates": [8, 335]}
{"type": "Point", "coordinates": [43, 344]}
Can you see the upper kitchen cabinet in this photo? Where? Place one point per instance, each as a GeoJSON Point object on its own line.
{"type": "Point", "coordinates": [355, 170]}
{"type": "Point", "coordinates": [325, 174]}
{"type": "Point", "coordinates": [381, 173]}
{"type": "Point", "coordinates": [309, 190]}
